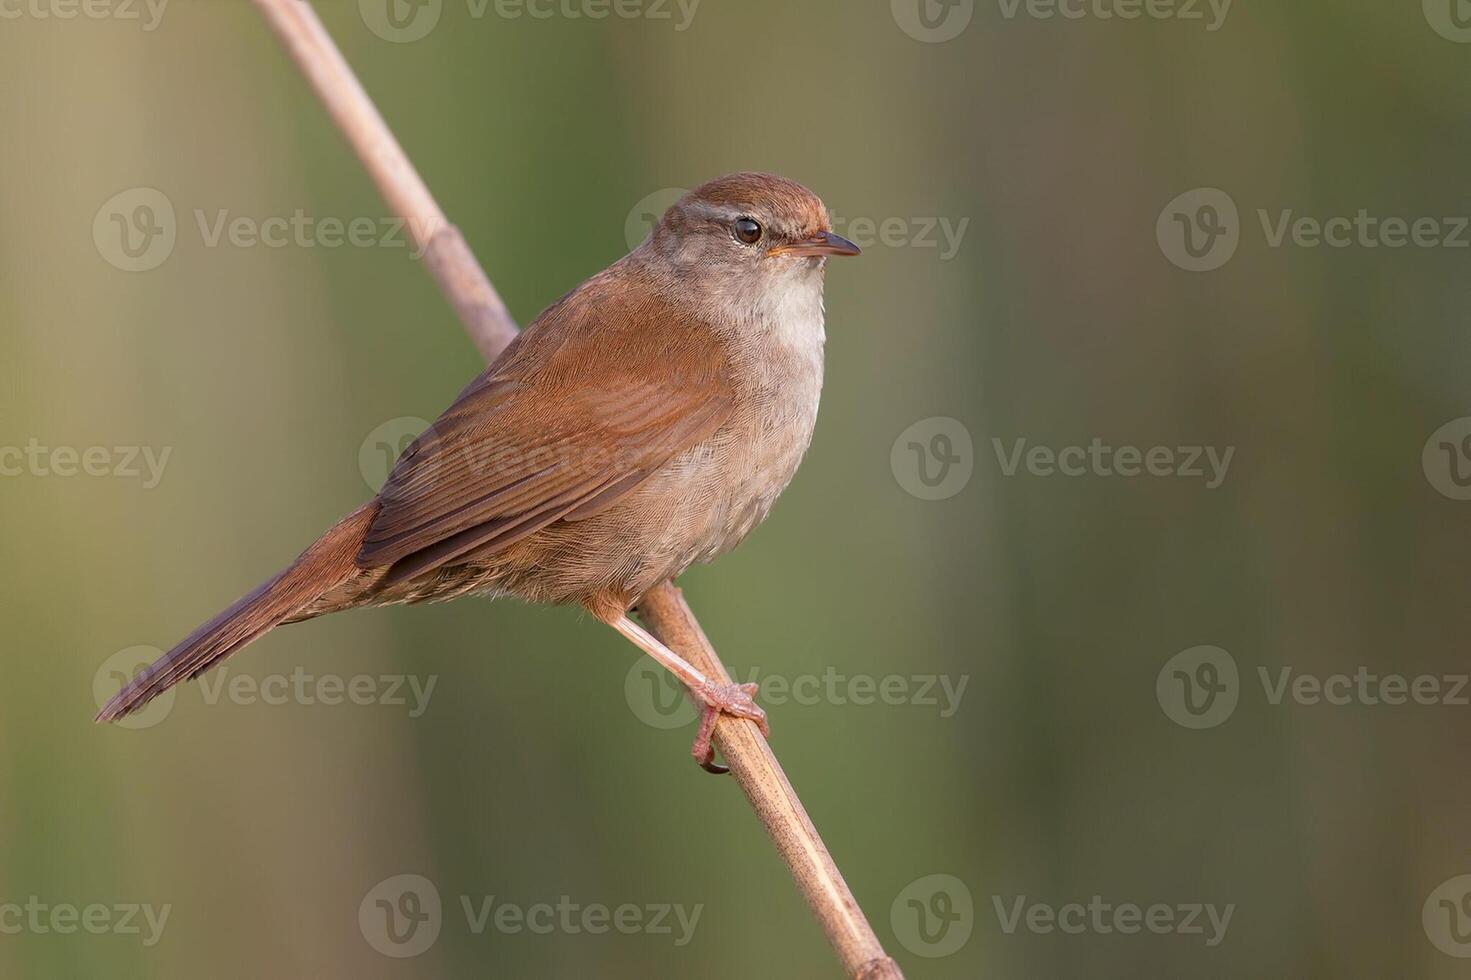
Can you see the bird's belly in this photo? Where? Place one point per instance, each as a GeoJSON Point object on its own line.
{"type": "Point", "coordinates": [719, 492]}
{"type": "Point", "coordinates": [707, 499]}
{"type": "Point", "coordinates": [698, 506]}
{"type": "Point", "coordinates": [711, 516]}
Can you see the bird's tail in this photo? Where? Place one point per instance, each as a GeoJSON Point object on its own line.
{"type": "Point", "coordinates": [327, 564]}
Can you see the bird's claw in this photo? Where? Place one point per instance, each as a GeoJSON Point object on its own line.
{"type": "Point", "coordinates": [736, 700]}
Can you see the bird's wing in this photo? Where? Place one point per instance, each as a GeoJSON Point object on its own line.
{"type": "Point", "coordinates": [569, 420]}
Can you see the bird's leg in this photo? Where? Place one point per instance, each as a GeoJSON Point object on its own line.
{"type": "Point", "coordinates": [715, 700]}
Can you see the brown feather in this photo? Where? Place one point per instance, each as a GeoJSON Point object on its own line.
{"type": "Point", "coordinates": [326, 563]}
{"type": "Point", "coordinates": [551, 428]}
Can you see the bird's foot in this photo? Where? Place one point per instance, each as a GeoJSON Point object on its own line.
{"type": "Point", "coordinates": [736, 700]}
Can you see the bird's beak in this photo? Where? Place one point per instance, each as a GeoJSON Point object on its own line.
{"type": "Point", "coordinates": [825, 243]}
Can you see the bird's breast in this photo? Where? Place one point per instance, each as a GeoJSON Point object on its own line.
{"type": "Point", "coordinates": [753, 458]}
{"type": "Point", "coordinates": [706, 499]}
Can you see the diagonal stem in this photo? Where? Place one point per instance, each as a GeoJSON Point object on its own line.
{"type": "Point", "coordinates": [489, 324]}
{"type": "Point", "coordinates": [776, 804]}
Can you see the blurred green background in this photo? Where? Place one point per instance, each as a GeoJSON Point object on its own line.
{"type": "Point", "coordinates": [541, 767]}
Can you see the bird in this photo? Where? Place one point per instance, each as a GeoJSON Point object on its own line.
{"type": "Point", "coordinates": [643, 423]}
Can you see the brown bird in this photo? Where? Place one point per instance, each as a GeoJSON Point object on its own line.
{"type": "Point", "coordinates": [644, 422]}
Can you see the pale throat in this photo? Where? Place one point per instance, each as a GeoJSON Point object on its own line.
{"type": "Point", "coordinates": [792, 310]}
{"type": "Point", "coordinates": [783, 311]}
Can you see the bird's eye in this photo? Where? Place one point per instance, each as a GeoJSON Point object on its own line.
{"type": "Point", "coordinates": [747, 230]}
